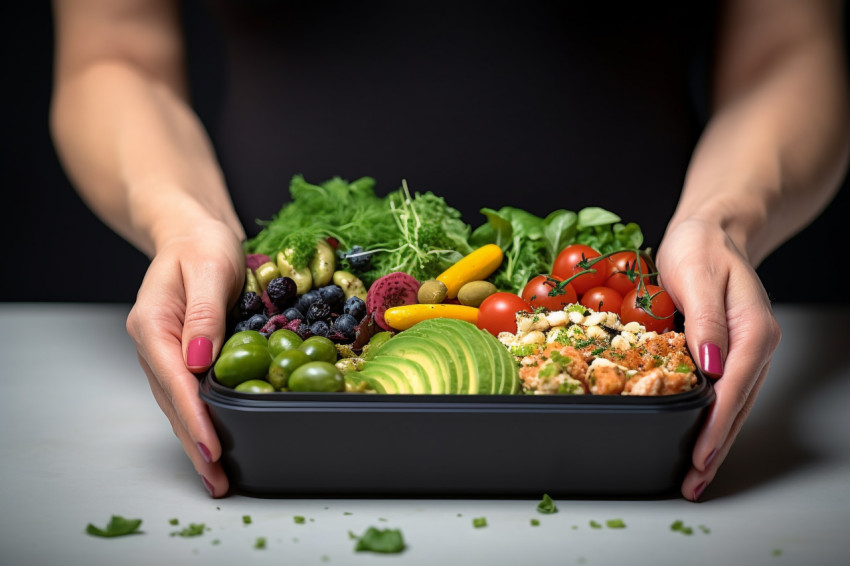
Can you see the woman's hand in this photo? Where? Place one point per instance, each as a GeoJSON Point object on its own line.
{"type": "Point", "coordinates": [178, 323]}
{"type": "Point", "coordinates": [730, 327]}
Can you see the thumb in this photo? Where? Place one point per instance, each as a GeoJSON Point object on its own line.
{"type": "Point", "coordinates": [207, 296]}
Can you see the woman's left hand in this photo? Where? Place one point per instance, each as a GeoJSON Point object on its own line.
{"type": "Point", "coordinates": [729, 326]}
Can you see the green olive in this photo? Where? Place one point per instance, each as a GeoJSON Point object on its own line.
{"type": "Point", "coordinates": [432, 292]}
{"type": "Point", "coordinates": [265, 273]}
{"type": "Point", "coordinates": [283, 365]}
{"type": "Point", "coordinates": [244, 337]}
{"type": "Point", "coordinates": [254, 386]}
{"type": "Point", "coordinates": [473, 293]}
{"type": "Point", "coordinates": [283, 339]}
{"type": "Point", "coordinates": [322, 264]}
{"type": "Point", "coordinates": [350, 284]}
{"type": "Point", "coordinates": [319, 349]}
{"type": "Point", "coordinates": [241, 363]}
{"type": "Point", "coordinates": [317, 377]}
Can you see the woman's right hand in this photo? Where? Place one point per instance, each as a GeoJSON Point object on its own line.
{"type": "Point", "coordinates": [178, 325]}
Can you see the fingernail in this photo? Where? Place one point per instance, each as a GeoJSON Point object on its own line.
{"type": "Point", "coordinates": [199, 352]}
{"type": "Point", "coordinates": [209, 486]}
{"type": "Point", "coordinates": [711, 359]}
{"type": "Point", "coordinates": [697, 491]}
{"type": "Point", "coordinates": [205, 452]}
{"type": "Point", "coordinates": [709, 459]}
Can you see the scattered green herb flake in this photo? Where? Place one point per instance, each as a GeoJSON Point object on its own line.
{"type": "Point", "coordinates": [615, 524]}
{"type": "Point", "coordinates": [299, 520]}
{"type": "Point", "coordinates": [777, 552]}
{"type": "Point", "coordinates": [260, 543]}
{"type": "Point", "coordinates": [294, 539]}
{"type": "Point", "coordinates": [215, 541]}
{"type": "Point", "coordinates": [326, 558]}
{"type": "Point", "coordinates": [687, 531]}
{"type": "Point", "coordinates": [347, 513]}
{"type": "Point", "coordinates": [382, 519]}
{"type": "Point", "coordinates": [352, 535]}
{"type": "Point", "coordinates": [595, 525]}
{"type": "Point", "coordinates": [312, 520]}
{"type": "Point", "coordinates": [575, 527]}
{"type": "Point", "coordinates": [546, 505]}
{"type": "Point", "coordinates": [246, 519]}
{"type": "Point", "coordinates": [479, 522]}
{"type": "Point", "coordinates": [385, 541]}
{"type": "Point", "coordinates": [677, 525]}
{"type": "Point", "coordinates": [217, 508]}
{"type": "Point", "coordinates": [535, 522]}
{"type": "Point", "coordinates": [683, 368]}
{"type": "Point", "coordinates": [116, 527]}
{"type": "Point", "coordinates": [193, 530]}
{"type": "Point", "coordinates": [173, 522]}
{"type": "Point", "coordinates": [460, 514]}
{"type": "Point", "coordinates": [704, 529]}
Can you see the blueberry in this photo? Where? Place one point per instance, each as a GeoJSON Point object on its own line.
{"type": "Point", "coordinates": [346, 324]}
{"type": "Point", "coordinates": [319, 310]}
{"type": "Point", "coordinates": [256, 322]}
{"type": "Point", "coordinates": [355, 306]}
{"type": "Point", "coordinates": [357, 259]}
{"type": "Point", "coordinates": [303, 330]}
{"type": "Point", "coordinates": [304, 301]}
{"type": "Point", "coordinates": [292, 313]}
{"type": "Point", "coordinates": [320, 328]}
{"type": "Point", "coordinates": [333, 295]}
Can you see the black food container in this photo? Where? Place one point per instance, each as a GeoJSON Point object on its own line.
{"type": "Point", "coordinates": [349, 444]}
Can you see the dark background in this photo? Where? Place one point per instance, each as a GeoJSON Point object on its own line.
{"type": "Point", "coordinates": [55, 249]}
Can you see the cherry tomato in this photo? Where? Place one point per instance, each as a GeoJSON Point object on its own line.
{"type": "Point", "coordinates": [497, 313]}
{"type": "Point", "coordinates": [655, 299]}
{"type": "Point", "coordinates": [621, 283]}
{"type": "Point", "coordinates": [538, 293]}
{"type": "Point", "coordinates": [602, 299]}
{"type": "Point", "coordinates": [567, 264]}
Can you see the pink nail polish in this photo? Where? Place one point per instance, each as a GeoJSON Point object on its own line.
{"type": "Point", "coordinates": [209, 486]}
{"type": "Point", "coordinates": [698, 491]}
{"type": "Point", "coordinates": [205, 452]}
{"type": "Point", "coordinates": [711, 359]}
{"type": "Point", "coordinates": [199, 352]}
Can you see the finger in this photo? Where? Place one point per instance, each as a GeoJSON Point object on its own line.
{"type": "Point", "coordinates": [212, 473]}
{"type": "Point", "coordinates": [208, 291]}
{"type": "Point", "coordinates": [697, 479]}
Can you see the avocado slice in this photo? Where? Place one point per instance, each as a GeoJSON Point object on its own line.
{"type": "Point", "coordinates": [407, 370]}
{"type": "Point", "coordinates": [391, 378]}
{"type": "Point", "coordinates": [457, 352]}
{"type": "Point", "coordinates": [466, 337]}
{"type": "Point", "coordinates": [356, 377]}
{"type": "Point", "coordinates": [505, 364]}
{"type": "Point", "coordinates": [436, 362]}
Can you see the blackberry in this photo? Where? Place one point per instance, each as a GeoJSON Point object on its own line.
{"type": "Point", "coordinates": [358, 259]}
{"type": "Point", "coordinates": [320, 328]}
{"type": "Point", "coordinates": [256, 322]}
{"type": "Point", "coordinates": [356, 307]}
{"type": "Point", "coordinates": [250, 304]}
{"type": "Point", "coordinates": [346, 326]}
{"type": "Point", "coordinates": [280, 290]}
{"type": "Point", "coordinates": [319, 310]}
{"type": "Point", "coordinates": [333, 295]}
{"type": "Point", "coordinates": [303, 331]}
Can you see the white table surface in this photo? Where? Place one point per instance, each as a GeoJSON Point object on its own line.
{"type": "Point", "coordinates": [81, 439]}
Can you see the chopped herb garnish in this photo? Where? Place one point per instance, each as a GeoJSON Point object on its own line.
{"type": "Point", "coordinates": [193, 530]}
{"type": "Point", "coordinates": [326, 558]}
{"type": "Point", "coordinates": [546, 505]}
{"type": "Point", "coordinates": [595, 525]}
{"type": "Point", "coordinates": [352, 535]}
{"type": "Point", "coordinates": [683, 368]}
{"type": "Point", "coordinates": [678, 525]}
{"type": "Point", "coordinates": [386, 541]}
{"type": "Point", "coordinates": [479, 522]}
{"type": "Point", "coordinates": [535, 522]}
{"type": "Point", "coordinates": [117, 526]}
{"type": "Point", "coordinates": [777, 552]}
{"type": "Point", "coordinates": [597, 351]}
{"type": "Point", "coordinates": [246, 519]}
{"type": "Point", "coordinates": [382, 519]}
{"type": "Point", "coordinates": [260, 543]}
{"type": "Point", "coordinates": [615, 524]}
{"type": "Point", "coordinates": [704, 529]}
{"type": "Point", "coordinates": [299, 520]}
{"type": "Point", "coordinates": [216, 541]}
{"type": "Point", "coordinates": [346, 513]}
{"type": "Point", "coordinates": [173, 522]}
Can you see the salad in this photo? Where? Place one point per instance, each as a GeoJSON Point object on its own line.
{"type": "Point", "coordinates": [348, 291]}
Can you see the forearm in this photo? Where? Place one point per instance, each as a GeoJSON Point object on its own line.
{"type": "Point", "coordinates": [776, 150]}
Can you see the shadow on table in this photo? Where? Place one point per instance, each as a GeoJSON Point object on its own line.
{"type": "Point", "coordinates": [810, 358]}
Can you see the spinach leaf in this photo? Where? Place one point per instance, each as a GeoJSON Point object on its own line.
{"type": "Point", "coordinates": [117, 526]}
{"type": "Point", "coordinates": [385, 541]}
